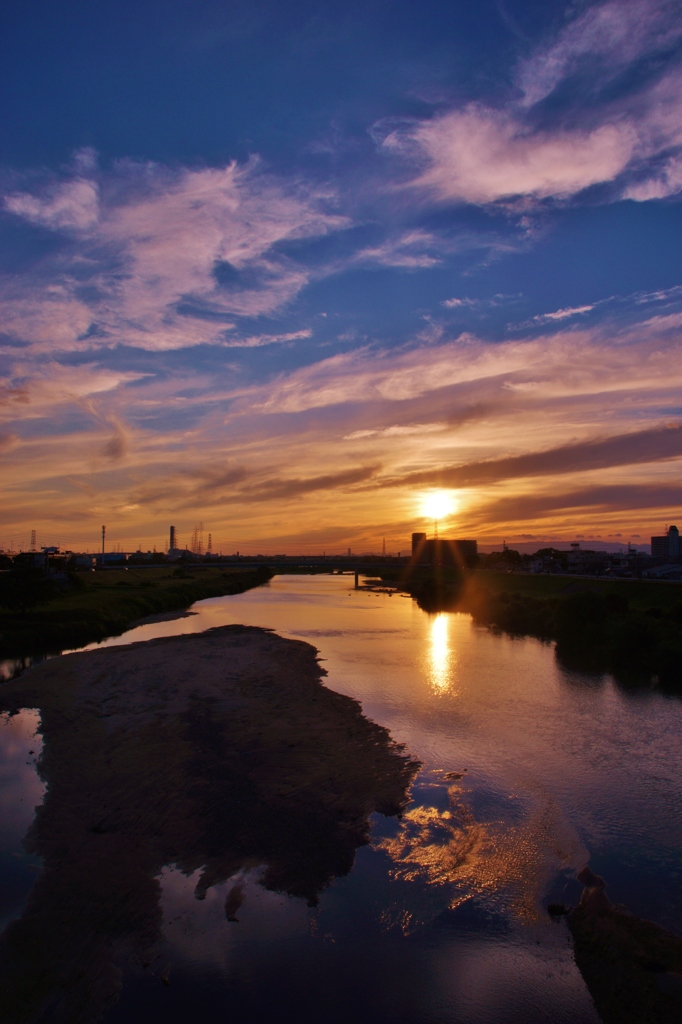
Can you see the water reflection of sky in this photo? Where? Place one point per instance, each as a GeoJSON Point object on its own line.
{"type": "Point", "coordinates": [20, 792]}
{"type": "Point", "coordinates": [528, 771]}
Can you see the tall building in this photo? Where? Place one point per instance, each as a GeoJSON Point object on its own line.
{"type": "Point", "coordinates": [173, 542]}
{"type": "Point", "coordinates": [418, 542]}
{"type": "Point", "coordinates": [667, 546]}
{"type": "Point", "coordinates": [440, 551]}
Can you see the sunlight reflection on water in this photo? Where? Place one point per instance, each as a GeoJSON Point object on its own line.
{"type": "Point", "coordinates": [442, 660]}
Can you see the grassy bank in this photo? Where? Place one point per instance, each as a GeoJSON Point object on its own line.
{"type": "Point", "coordinates": [93, 605]}
{"type": "Point", "coordinates": [632, 628]}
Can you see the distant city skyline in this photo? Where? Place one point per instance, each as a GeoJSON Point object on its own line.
{"type": "Point", "coordinates": [292, 269]}
{"type": "Point", "coordinates": [247, 547]}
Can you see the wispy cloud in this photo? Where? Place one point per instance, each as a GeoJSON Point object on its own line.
{"type": "Point", "coordinates": [258, 340]}
{"type": "Point", "coordinates": [563, 420]}
{"type": "Point", "coordinates": [412, 250]}
{"type": "Point", "coordinates": [478, 155]}
{"type": "Point", "coordinates": [164, 257]}
{"type": "Point", "coordinates": [270, 490]}
{"type": "Point", "coordinates": [602, 40]}
{"type": "Point", "coordinates": [525, 430]}
{"type": "Point", "coordinates": [36, 391]}
{"type": "Point", "coordinates": [397, 430]}
{"type": "Point", "coordinates": [464, 303]}
{"type": "Point", "coordinates": [481, 154]}
{"type": "Point", "coordinates": [71, 206]}
{"type": "Point", "coordinates": [662, 183]}
{"type": "Point", "coordinates": [7, 441]}
{"type": "Point", "coordinates": [645, 446]}
{"type": "Point", "coordinates": [467, 303]}
{"type": "Point", "coordinates": [559, 314]}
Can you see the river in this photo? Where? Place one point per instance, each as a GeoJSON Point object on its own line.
{"type": "Point", "coordinates": [529, 771]}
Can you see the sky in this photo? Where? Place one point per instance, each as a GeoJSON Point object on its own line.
{"type": "Point", "coordinates": [289, 269]}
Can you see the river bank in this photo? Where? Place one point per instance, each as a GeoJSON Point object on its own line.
{"type": "Point", "coordinates": [632, 628]}
{"type": "Point", "coordinates": [88, 607]}
{"type": "Point", "coordinates": [221, 752]}
{"type": "Point", "coordinates": [633, 968]}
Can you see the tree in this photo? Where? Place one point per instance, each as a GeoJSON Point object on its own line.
{"type": "Point", "coordinates": [23, 588]}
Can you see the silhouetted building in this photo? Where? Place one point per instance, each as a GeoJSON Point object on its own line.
{"type": "Point", "coordinates": [667, 546]}
{"type": "Point", "coordinates": [84, 561]}
{"type": "Point", "coordinates": [173, 543]}
{"type": "Point", "coordinates": [418, 542]}
{"type": "Point", "coordinates": [113, 558]}
{"type": "Point", "coordinates": [443, 552]}
{"type": "Point", "coordinates": [659, 547]}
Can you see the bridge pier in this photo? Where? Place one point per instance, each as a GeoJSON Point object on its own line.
{"type": "Point", "coordinates": [357, 579]}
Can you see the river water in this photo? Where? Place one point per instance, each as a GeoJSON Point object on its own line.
{"type": "Point", "coordinates": [529, 771]}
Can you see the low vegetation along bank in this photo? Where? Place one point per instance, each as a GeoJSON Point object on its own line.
{"type": "Point", "coordinates": [39, 616]}
{"type": "Point", "coordinates": [631, 628]}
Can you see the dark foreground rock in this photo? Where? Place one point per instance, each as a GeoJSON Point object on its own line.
{"type": "Point", "coordinates": [219, 751]}
{"type": "Point", "coordinates": [632, 967]}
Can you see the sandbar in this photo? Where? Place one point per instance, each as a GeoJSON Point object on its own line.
{"type": "Point", "coordinates": [214, 752]}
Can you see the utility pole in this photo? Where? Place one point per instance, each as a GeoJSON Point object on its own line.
{"type": "Point", "coordinates": [104, 530]}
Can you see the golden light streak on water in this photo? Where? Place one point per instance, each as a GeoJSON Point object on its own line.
{"type": "Point", "coordinates": [453, 851]}
{"type": "Point", "coordinates": [442, 659]}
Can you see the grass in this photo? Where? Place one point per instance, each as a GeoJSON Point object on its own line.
{"type": "Point", "coordinates": [641, 594]}
{"type": "Point", "coordinates": [94, 605]}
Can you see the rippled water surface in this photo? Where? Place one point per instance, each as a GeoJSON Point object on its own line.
{"type": "Point", "coordinates": [528, 772]}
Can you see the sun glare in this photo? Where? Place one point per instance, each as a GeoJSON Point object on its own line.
{"type": "Point", "coordinates": [437, 505]}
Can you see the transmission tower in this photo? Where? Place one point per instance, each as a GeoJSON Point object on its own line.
{"type": "Point", "coordinates": [198, 539]}
{"type": "Point", "coordinates": [209, 546]}
{"type": "Point", "coordinates": [33, 540]}
{"type": "Point", "coordinates": [383, 548]}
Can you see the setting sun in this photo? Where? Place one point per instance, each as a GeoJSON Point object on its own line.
{"type": "Point", "coordinates": [438, 505]}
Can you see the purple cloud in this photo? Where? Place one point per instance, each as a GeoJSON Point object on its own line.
{"type": "Point", "coordinates": [150, 251]}
{"type": "Point", "coordinates": [480, 154]}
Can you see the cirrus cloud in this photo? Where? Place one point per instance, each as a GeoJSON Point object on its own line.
{"type": "Point", "coordinates": [73, 205]}
{"type": "Point", "coordinates": [478, 155]}
{"type": "Point", "coordinates": [164, 259]}
{"type": "Point", "coordinates": [602, 40]}
{"type": "Point", "coordinates": [482, 154]}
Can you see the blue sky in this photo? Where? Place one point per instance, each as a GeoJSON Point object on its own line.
{"type": "Point", "coordinates": [286, 268]}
